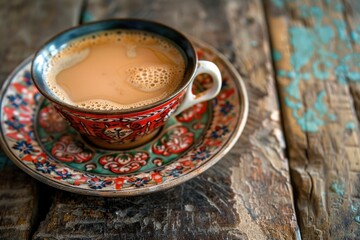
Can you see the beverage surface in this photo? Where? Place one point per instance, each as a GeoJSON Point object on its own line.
{"type": "Point", "coordinates": [116, 70]}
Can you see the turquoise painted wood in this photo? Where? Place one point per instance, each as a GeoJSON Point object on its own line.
{"type": "Point", "coordinates": [311, 51]}
{"type": "Point", "coordinates": [317, 62]}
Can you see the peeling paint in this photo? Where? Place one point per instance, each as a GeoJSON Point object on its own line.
{"type": "Point", "coordinates": [338, 188]}
{"type": "Point", "coordinates": [350, 125]}
{"type": "Point", "coordinates": [278, 3]}
{"type": "Point", "coordinates": [310, 51]}
{"type": "Point", "coordinates": [276, 55]}
{"type": "Point", "coordinates": [355, 35]}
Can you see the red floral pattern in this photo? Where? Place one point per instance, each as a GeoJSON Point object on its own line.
{"type": "Point", "coordinates": [121, 128]}
{"type": "Point", "coordinates": [124, 162]}
{"type": "Point", "coordinates": [192, 113]}
{"type": "Point", "coordinates": [176, 141]}
{"type": "Point", "coordinates": [51, 121]}
{"type": "Point", "coordinates": [67, 150]}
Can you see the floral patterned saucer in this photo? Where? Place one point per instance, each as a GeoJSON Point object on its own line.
{"type": "Point", "coordinates": [41, 143]}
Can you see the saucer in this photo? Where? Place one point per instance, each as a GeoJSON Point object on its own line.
{"type": "Point", "coordinates": [42, 144]}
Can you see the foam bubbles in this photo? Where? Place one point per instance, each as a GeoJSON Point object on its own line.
{"type": "Point", "coordinates": [100, 104]}
{"type": "Point", "coordinates": [153, 78]}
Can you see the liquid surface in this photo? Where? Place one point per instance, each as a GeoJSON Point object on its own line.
{"type": "Point", "coordinates": [116, 70]}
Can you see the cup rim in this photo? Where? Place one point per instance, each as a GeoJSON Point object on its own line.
{"type": "Point", "coordinates": [63, 104]}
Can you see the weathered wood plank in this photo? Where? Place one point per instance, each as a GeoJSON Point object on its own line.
{"type": "Point", "coordinates": [317, 69]}
{"type": "Point", "coordinates": [24, 26]}
{"type": "Point", "coordinates": [352, 18]}
{"type": "Point", "coordinates": [247, 195]}
{"type": "Point", "coordinates": [17, 201]}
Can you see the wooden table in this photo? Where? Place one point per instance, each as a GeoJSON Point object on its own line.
{"type": "Point", "coordinates": [294, 173]}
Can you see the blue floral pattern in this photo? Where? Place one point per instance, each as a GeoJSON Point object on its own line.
{"type": "Point", "coordinates": [63, 174]}
{"type": "Point", "coordinates": [14, 123]}
{"type": "Point", "coordinates": [17, 100]}
{"type": "Point", "coordinates": [139, 182]}
{"type": "Point", "coordinates": [24, 147]}
{"type": "Point", "coordinates": [96, 183]}
{"type": "Point", "coordinates": [176, 172]}
{"type": "Point", "coordinates": [219, 131]}
{"type": "Point", "coordinates": [27, 78]}
{"type": "Point", "coordinates": [226, 108]}
{"type": "Point", "coordinates": [45, 167]}
{"type": "Point", "coordinates": [201, 154]}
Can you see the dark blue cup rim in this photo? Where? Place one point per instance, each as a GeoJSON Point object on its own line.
{"type": "Point", "coordinates": [59, 41]}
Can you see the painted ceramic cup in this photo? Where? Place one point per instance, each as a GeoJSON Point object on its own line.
{"type": "Point", "coordinates": [121, 129]}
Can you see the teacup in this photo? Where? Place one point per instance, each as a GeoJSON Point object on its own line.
{"type": "Point", "coordinates": [125, 128]}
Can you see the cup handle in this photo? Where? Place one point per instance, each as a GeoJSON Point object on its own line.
{"type": "Point", "coordinates": [191, 99]}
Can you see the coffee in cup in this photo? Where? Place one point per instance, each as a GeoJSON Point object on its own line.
{"type": "Point", "coordinates": [113, 70]}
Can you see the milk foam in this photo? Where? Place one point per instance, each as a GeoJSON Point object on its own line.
{"type": "Point", "coordinates": [152, 78]}
{"type": "Point", "coordinates": [158, 79]}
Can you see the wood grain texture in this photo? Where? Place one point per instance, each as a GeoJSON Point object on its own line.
{"type": "Point", "coordinates": [247, 195]}
{"type": "Point", "coordinates": [317, 64]}
{"type": "Point", "coordinates": [352, 18]}
{"type": "Point", "coordinates": [24, 26]}
{"type": "Point", "coordinates": [18, 201]}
